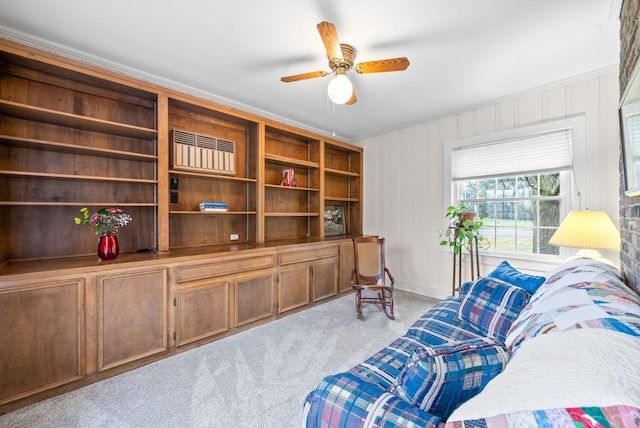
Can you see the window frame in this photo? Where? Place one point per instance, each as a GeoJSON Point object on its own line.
{"type": "Point", "coordinates": [573, 198]}
{"type": "Point", "coordinates": [563, 197]}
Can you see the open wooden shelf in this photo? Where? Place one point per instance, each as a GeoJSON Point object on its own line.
{"type": "Point", "coordinates": [303, 189]}
{"type": "Point", "coordinates": [90, 136]}
{"type": "Point", "coordinates": [31, 143]}
{"type": "Point", "coordinates": [38, 114]}
{"type": "Point", "coordinates": [78, 204]}
{"type": "Point", "coordinates": [290, 162]}
{"type": "Point", "coordinates": [340, 172]}
{"type": "Point", "coordinates": [340, 199]}
{"type": "Point", "coordinates": [290, 214]}
{"type": "Point", "coordinates": [206, 176]}
{"type": "Point", "coordinates": [343, 183]}
{"type": "Point", "coordinates": [31, 174]}
{"type": "Point", "coordinates": [212, 212]}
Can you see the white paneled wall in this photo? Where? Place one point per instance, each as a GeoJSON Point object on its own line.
{"type": "Point", "coordinates": [403, 174]}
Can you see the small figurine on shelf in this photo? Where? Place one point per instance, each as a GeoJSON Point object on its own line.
{"type": "Point", "coordinates": [288, 178]}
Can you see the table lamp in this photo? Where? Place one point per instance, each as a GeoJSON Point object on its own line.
{"type": "Point", "coordinates": [589, 230]}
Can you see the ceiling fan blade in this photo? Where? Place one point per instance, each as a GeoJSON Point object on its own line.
{"type": "Point", "coordinates": [330, 39]}
{"type": "Point", "coordinates": [304, 76]}
{"type": "Point", "coordinates": [383, 65]}
{"type": "Point", "coordinates": [353, 98]}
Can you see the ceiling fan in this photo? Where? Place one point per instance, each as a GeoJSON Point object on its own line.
{"type": "Point", "coordinates": [341, 60]}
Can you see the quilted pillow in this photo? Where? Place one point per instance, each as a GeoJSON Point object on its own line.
{"type": "Point", "coordinates": [438, 379]}
{"type": "Point", "coordinates": [506, 273]}
{"type": "Point", "coordinates": [492, 306]}
{"type": "Point", "coordinates": [464, 288]}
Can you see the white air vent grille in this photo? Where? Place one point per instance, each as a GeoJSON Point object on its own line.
{"type": "Point", "coordinates": [202, 153]}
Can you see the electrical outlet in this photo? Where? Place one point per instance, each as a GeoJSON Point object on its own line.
{"type": "Point", "coordinates": [234, 237]}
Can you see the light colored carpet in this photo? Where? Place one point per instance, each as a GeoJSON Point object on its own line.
{"type": "Point", "coordinates": [257, 378]}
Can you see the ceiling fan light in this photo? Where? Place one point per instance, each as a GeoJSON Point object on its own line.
{"type": "Point", "coordinates": [340, 89]}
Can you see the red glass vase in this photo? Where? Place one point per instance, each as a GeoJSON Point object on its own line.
{"type": "Point", "coordinates": [108, 248]}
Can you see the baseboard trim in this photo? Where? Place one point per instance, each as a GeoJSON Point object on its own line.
{"type": "Point", "coordinates": [423, 290]}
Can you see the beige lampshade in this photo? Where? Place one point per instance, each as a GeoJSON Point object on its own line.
{"type": "Point", "coordinates": [591, 230]}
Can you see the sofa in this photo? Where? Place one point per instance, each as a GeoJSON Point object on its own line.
{"type": "Point", "coordinates": [562, 349]}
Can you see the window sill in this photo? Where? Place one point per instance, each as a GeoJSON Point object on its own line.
{"type": "Point", "coordinates": [527, 262]}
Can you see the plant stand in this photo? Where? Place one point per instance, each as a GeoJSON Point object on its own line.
{"type": "Point", "coordinates": [457, 264]}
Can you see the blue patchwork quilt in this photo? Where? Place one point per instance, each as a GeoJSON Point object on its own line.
{"type": "Point", "coordinates": [361, 397]}
{"type": "Point", "coordinates": [577, 295]}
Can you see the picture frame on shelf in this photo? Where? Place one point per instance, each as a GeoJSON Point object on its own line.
{"type": "Point", "coordinates": [334, 222]}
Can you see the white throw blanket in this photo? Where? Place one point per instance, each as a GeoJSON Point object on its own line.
{"type": "Point", "coordinates": [575, 368]}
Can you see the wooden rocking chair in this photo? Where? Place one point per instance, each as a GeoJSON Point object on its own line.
{"type": "Point", "coordinates": [371, 274]}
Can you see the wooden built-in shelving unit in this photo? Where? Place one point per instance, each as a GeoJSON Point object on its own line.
{"type": "Point", "coordinates": [73, 135]}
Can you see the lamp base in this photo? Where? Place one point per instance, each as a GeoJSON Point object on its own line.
{"type": "Point", "coordinates": [592, 254]}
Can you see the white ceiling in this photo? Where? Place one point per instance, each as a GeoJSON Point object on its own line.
{"type": "Point", "coordinates": [463, 53]}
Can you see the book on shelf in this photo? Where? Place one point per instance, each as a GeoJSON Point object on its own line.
{"type": "Point", "coordinates": [214, 209]}
{"type": "Point", "coordinates": [213, 205]}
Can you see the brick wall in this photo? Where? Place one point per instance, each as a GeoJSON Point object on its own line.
{"type": "Point", "coordinates": [629, 207]}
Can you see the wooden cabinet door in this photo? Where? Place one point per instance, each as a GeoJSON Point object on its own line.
{"type": "Point", "coordinates": [293, 288]}
{"type": "Point", "coordinates": [42, 338]}
{"type": "Point", "coordinates": [202, 312]}
{"type": "Point", "coordinates": [307, 273]}
{"type": "Point", "coordinates": [254, 298]}
{"type": "Point", "coordinates": [325, 279]}
{"type": "Point", "coordinates": [132, 317]}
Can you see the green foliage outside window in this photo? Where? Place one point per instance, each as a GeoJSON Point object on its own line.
{"type": "Point", "coordinates": [520, 213]}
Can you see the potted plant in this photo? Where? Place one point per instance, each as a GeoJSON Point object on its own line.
{"type": "Point", "coordinates": [463, 227]}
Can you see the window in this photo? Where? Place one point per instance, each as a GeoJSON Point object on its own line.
{"type": "Point", "coordinates": [521, 182]}
{"type": "Point", "coordinates": [520, 212]}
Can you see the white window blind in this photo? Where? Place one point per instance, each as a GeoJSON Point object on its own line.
{"type": "Point", "coordinates": [548, 151]}
{"type": "Point", "coordinates": [633, 136]}
{"type": "Point", "coordinates": [631, 146]}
